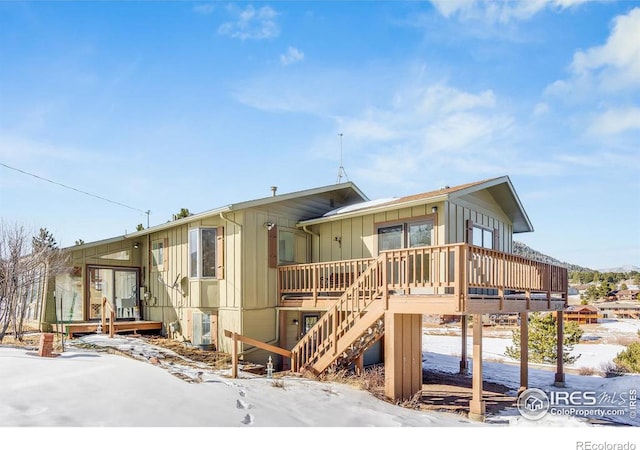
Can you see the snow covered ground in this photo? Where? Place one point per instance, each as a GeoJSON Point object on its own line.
{"type": "Point", "coordinates": [89, 389]}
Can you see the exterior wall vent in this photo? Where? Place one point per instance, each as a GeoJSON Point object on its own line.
{"type": "Point", "coordinates": [202, 330]}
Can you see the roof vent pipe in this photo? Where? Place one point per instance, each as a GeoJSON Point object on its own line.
{"type": "Point", "coordinates": [273, 190]}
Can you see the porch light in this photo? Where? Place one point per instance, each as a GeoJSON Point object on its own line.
{"type": "Point", "coordinates": [296, 322]}
{"type": "Point", "coordinates": [434, 209]}
{"type": "Point", "coordinates": [269, 225]}
{"type": "Point", "coordinates": [136, 245]}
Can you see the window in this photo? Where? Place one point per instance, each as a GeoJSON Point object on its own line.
{"type": "Point", "coordinates": [204, 253]}
{"type": "Point", "coordinates": [390, 238]}
{"type": "Point", "coordinates": [482, 237]}
{"type": "Point", "coordinates": [286, 247]}
{"type": "Point", "coordinates": [158, 255]}
{"type": "Point", "coordinates": [405, 235]}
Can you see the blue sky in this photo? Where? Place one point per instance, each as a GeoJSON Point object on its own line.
{"type": "Point", "coordinates": [168, 105]}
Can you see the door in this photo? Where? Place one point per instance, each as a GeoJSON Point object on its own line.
{"type": "Point", "coordinates": [417, 233]}
{"type": "Point", "coordinates": [308, 321]}
{"type": "Point", "coordinates": [119, 286]}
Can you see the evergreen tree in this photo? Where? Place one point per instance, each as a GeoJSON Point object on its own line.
{"type": "Point", "coordinates": [591, 293]}
{"type": "Point", "coordinates": [542, 340]}
{"type": "Point", "coordinates": [139, 227]}
{"type": "Point", "coordinates": [184, 212]}
{"type": "Point", "coordinates": [629, 359]}
{"type": "Point", "coordinates": [43, 241]}
{"type": "Point", "coordinates": [604, 289]}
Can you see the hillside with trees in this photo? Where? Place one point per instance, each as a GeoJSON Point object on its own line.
{"type": "Point", "coordinates": [527, 252]}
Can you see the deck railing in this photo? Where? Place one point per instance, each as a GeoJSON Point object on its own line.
{"type": "Point", "coordinates": [457, 270]}
{"type": "Point", "coordinates": [320, 278]}
{"type": "Point", "coordinates": [323, 337]}
{"type": "Point", "coordinates": [454, 269]}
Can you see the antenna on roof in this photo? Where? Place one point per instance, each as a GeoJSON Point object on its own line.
{"type": "Point", "coordinates": [341, 171]}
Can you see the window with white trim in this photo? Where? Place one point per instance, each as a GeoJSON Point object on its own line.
{"type": "Point", "coordinates": [203, 253]}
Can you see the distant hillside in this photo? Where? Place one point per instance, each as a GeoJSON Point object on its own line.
{"type": "Point", "coordinates": [624, 269]}
{"type": "Point", "coordinates": [524, 250]}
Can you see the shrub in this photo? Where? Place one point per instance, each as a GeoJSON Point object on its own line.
{"type": "Point", "coordinates": [611, 369]}
{"type": "Point", "coordinates": [542, 340]}
{"type": "Point", "coordinates": [629, 359]}
{"type": "Point", "coordinates": [587, 371]}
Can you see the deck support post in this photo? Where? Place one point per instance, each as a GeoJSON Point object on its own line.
{"type": "Point", "coordinates": [559, 379]}
{"type": "Point", "coordinates": [402, 355]}
{"type": "Point", "coordinates": [524, 351]}
{"type": "Point", "coordinates": [359, 364]}
{"type": "Point", "coordinates": [477, 406]}
{"type": "Point", "coordinates": [464, 362]}
{"type": "Point", "coordinates": [234, 355]}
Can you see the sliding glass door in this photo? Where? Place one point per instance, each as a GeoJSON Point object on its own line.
{"type": "Point", "coordinates": [119, 286]}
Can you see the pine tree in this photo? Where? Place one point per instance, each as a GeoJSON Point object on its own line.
{"type": "Point", "coordinates": [43, 241]}
{"type": "Point", "coordinates": [542, 340]}
{"type": "Point", "coordinates": [184, 212]}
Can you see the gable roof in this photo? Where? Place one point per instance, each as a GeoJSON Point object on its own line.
{"type": "Point", "coordinates": [300, 205]}
{"type": "Point", "coordinates": [500, 188]}
{"type": "Point", "coordinates": [582, 308]}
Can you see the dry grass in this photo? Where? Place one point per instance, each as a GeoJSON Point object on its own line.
{"type": "Point", "coordinates": [587, 371]}
{"type": "Point", "coordinates": [371, 379]}
{"type": "Point", "coordinates": [611, 369]}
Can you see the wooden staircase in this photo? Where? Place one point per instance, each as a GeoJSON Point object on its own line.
{"type": "Point", "coordinates": [348, 328]}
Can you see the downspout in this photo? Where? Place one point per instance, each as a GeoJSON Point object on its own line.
{"type": "Point", "coordinates": [230, 221]}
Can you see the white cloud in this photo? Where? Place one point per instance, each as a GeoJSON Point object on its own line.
{"type": "Point", "coordinates": [444, 99]}
{"type": "Point", "coordinates": [252, 23]}
{"type": "Point", "coordinates": [609, 69]}
{"type": "Point", "coordinates": [498, 11]}
{"type": "Point", "coordinates": [616, 64]}
{"type": "Point", "coordinates": [402, 133]}
{"type": "Point", "coordinates": [293, 55]}
{"type": "Point", "coordinates": [615, 121]}
{"type": "Point", "coordinates": [368, 129]}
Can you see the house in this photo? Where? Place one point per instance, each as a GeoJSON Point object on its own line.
{"type": "Point", "coordinates": [620, 310]}
{"type": "Point", "coordinates": [325, 278]}
{"type": "Point", "coordinates": [583, 314]}
{"type": "Point", "coordinates": [627, 295]}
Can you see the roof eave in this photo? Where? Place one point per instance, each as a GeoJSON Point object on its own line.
{"type": "Point", "coordinates": [373, 210]}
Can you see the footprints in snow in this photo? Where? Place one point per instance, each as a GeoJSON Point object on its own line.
{"type": "Point", "coordinates": [241, 404]}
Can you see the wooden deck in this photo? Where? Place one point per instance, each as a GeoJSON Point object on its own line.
{"type": "Point", "coordinates": [118, 327]}
{"type": "Point", "coordinates": [455, 278]}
